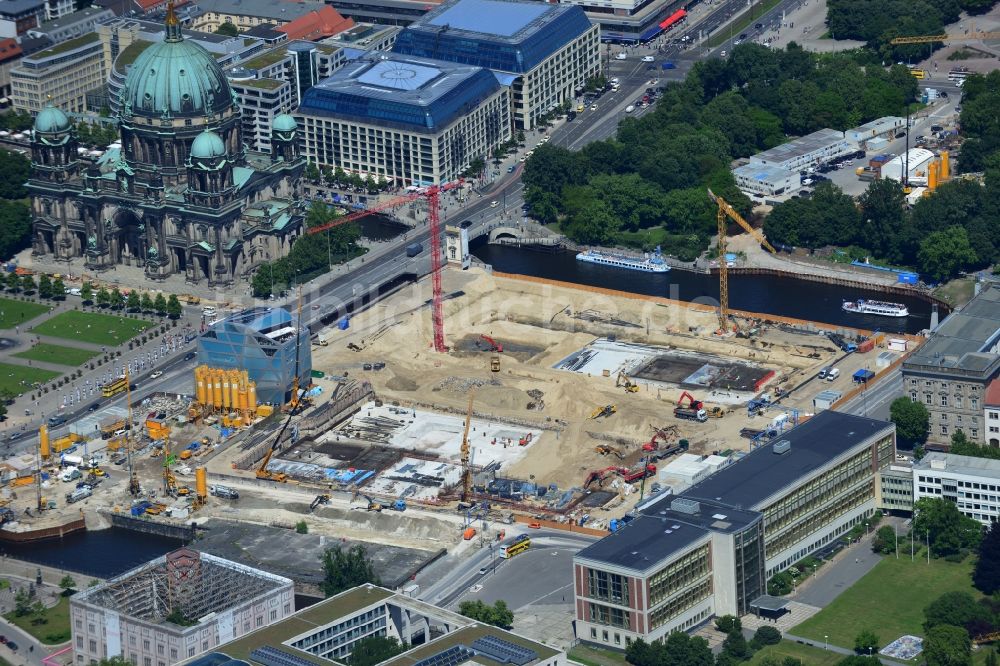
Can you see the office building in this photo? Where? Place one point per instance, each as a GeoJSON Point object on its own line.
{"type": "Point", "coordinates": [710, 550]}
{"type": "Point", "coordinates": [365, 38]}
{"type": "Point", "coordinates": [326, 633]}
{"type": "Point", "coordinates": [766, 180]}
{"type": "Point", "coordinates": [409, 120]}
{"type": "Point", "coordinates": [266, 342]}
{"type": "Point", "coordinates": [168, 202]}
{"type": "Point", "coordinates": [10, 57]}
{"type": "Point", "coordinates": [808, 151]}
{"type": "Point", "coordinates": [245, 14]}
{"type": "Point", "coordinates": [950, 372]}
{"type": "Point", "coordinates": [261, 101]}
{"type": "Point", "coordinates": [634, 21]}
{"type": "Point", "coordinates": [384, 12]}
{"type": "Point", "coordinates": [72, 25]}
{"type": "Point", "coordinates": [60, 75]}
{"type": "Point", "coordinates": [880, 128]}
{"type": "Point", "coordinates": [19, 16]}
{"type": "Point", "coordinates": [991, 415]}
{"type": "Point", "coordinates": [543, 52]}
{"type": "Point", "coordinates": [895, 488]}
{"type": "Point", "coordinates": [175, 607]}
{"type": "Point", "coordinates": [973, 484]}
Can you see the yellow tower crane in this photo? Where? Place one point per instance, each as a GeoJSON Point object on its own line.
{"type": "Point", "coordinates": [466, 450]}
{"type": "Point", "coordinates": [930, 39]}
{"type": "Point", "coordinates": [727, 211]}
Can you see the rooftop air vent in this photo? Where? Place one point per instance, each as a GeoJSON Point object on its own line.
{"type": "Point", "coordinates": [939, 464]}
{"type": "Point", "coordinates": [681, 505]}
{"type": "Point", "coordinates": [784, 446]}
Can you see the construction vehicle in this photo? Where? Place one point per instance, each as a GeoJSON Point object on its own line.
{"type": "Point", "coordinates": [294, 402]}
{"type": "Point", "coordinates": [692, 402]}
{"type": "Point", "coordinates": [604, 450]}
{"type": "Point", "coordinates": [689, 414]}
{"type": "Point", "coordinates": [373, 505]}
{"type": "Point", "coordinates": [665, 435]}
{"type": "Point", "coordinates": [726, 211]}
{"type": "Point", "coordinates": [466, 451]}
{"type": "Point", "coordinates": [623, 381]}
{"type": "Point", "coordinates": [638, 474]}
{"type": "Point", "coordinates": [491, 344]}
{"type": "Point", "coordinates": [319, 499]}
{"type": "Point", "coordinates": [607, 410]}
{"type": "Point", "coordinates": [398, 505]}
{"type": "Point", "coordinates": [495, 364]}
{"type": "Point", "coordinates": [263, 472]}
{"type": "Point", "coordinates": [718, 412]}
{"type": "Point", "coordinates": [930, 39]}
{"type": "Point", "coordinates": [600, 476]}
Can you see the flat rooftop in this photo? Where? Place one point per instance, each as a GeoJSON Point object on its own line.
{"type": "Point", "coordinates": [936, 461]}
{"type": "Point", "coordinates": [763, 473]}
{"type": "Point", "coordinates": [492, 17]}
{"type": "Point", "coordinates": [965, 341]}
{"type": "Point", "coordinates": [804, 145]}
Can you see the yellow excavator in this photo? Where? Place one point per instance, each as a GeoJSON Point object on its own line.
{"type": "Point", "coordinates": [606, 410]}
{"type": "Point", "coordinates": [623, 381]}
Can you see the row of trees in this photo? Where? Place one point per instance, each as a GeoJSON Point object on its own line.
{"type": "Point", "coordinates": [98, 136]}
{"type": "Point", "coordinates": [498, 614]}
{"type": "Point", "coordinates": [647, 185]}
{"type": "Point", "coordinates": [15, 215]}
{"type": "Point", "coordinates": [680, 649]}
{"type": "Point", "coordinates": [311, 254]}
{"type": "Point", "coordinates": [341, 179]}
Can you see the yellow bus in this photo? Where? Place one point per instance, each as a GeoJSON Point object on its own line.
{"type": "Point", "coordinates": [114, 388]}
{"type": "Point", "coordinates": [521, 544]}
{"type": "Point", "coordinates": [918, 74]}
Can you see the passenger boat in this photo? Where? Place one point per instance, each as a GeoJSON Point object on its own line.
{"type": "Point", "coordinates": [883, 308]}
{"type": "Point", "coordinates": [651, 263]}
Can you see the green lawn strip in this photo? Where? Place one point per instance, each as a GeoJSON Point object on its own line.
{"type": "Point", "coordinates": [889, 600]}
{"type": "Point", "coordinates": [957, 292]}
{"type": "Point", "coordinates": [14, 313]}
{"type": "Point", "coordinates": [590, 656]}
{"type": "Point", "coordinates": [99, 329]}
{"type": "Point", "coordinates": [741, 23]}
{"type": "Point", "coordinates": [55, 628]}
{"type": "Point", "coordinates": [20, 378]}
{"type": "Point", "coordinates": [58, 354]}
{"type": "Point", "coordinates": [807, 654]}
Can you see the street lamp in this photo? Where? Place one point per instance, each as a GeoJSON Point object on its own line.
{"type": "Point", "coordinates": [826, 642]}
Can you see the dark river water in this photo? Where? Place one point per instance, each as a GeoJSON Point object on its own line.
{"type": "Point", "coordinates": [102, 553]}
{"type": "Point", "coordinates": [788, 297]}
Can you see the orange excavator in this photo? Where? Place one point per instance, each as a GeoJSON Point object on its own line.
{"type": "Point", "coordinates": [492, 345]}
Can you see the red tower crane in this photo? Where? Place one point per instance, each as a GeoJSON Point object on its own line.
{"type": "Point", "coordinates": [432, 194]}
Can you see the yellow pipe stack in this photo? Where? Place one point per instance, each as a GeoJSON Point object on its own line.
{"type": "Point", "coordinates": [201, 483]}
{"type": "Point", "coordinates": [945, 171]}
{"type": "Point", "coordinates": [932, 176]}
{"type": "Point", "coordinates": [43, 442]}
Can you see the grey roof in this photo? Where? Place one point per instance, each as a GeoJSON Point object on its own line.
{"type": "Point", "coordinates": [962, 342]}
{"type": "Point", "coordinates": [804, 145]}
{"type": "Point", "coordinates": [31, 45]}
{"type": "Point", "coordinates": [969, 465]}
{"type": "Point", "coordinates": [282, 11]}
{"type": "Point", "coordinates": [765, 173]}
{"type": "Point", "coordinates": [763, 473]}
{"type": "Point", "coordinates": [18, 7]}
{"type": "Point", "coordinates": [82, 15]}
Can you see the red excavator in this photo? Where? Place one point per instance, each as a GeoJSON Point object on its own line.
{"type": "Point", "coordinates": [692, 402]}
{"type": "Point", "coordinates": [491, 344]}
{"type": "Point", "coordinates": [600, 475]}
{"type": "Point", "coordinates": [660, 435]}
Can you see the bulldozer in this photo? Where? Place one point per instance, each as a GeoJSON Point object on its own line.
{"type": "Point", "coordinates": [623, 381]}
{"type": "Point", "coordinates": [718, 412]}
{"type": "Point", "coordinates": [606, 410]}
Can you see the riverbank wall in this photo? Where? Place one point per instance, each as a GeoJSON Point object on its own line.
{"type": "Point", "coordinates": [147, 526]}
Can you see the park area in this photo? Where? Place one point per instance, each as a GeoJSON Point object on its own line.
{"type": "Point", "coordinates": [99, 329]}
{"type": "Point", "coordinates": [58, 354]}
{"type": "Point", "coordinates": [14, 313]}
{"type": "Point", "coordinates": [890, 600]}
{"type": "Point", "coordinates": [807, 654]}
{"type": "Point", "coordinates": [19, 379]}
{"type": "Point", "coordinates": [50, 626]}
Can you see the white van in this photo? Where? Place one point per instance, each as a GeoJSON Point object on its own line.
{"type": "Point", "coordinates": [630, 108]}
{"type": "Point", "coordinates": [833, 374]}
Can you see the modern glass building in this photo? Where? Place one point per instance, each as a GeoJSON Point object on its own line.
{"type": "Point", "coordinates": [263, 342]}
{"type": "Point", "coordinates": [711, 549]}
{"type": "Point", "coordinates": [410, 120]}
{"type": "Point", "coordinates": [543, 51]}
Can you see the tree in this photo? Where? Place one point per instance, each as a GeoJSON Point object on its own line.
{"type": "Point", "coordinates": [912, 420]}
{"type": "Point", "coordinates": [160, 305]}
{"type": "Point", "coordinates": [45, 286]}
{"type": "Point", "coordinates": [14, 172]}
{"type": "Point", "coordinates": [858, 660]}
{"type": "Point", "coordinates": [146, 302]}
{"type": "Point", "coordinates": [497, 615]}
{"type": "Point", "coordinates": [312, 172]}
{"type": "Point", "coordinates": [227, 29]}
{"type": "Point", "coordinates": [882, 216]}
{"type": "Point", "coordinates": [735, 645]}
{"type": "Point", "coordinates": [958, 609]}
{"type": "Point", "coordinates": [302, 527]}
{"type": "Point", "coordinates": [678, 649]}
{"type": "Point", "coordinates": [28, 284]}
{"type": "Point", "coordinates": [116, 298]}
{"type": "Point", "coordinates": [68, 585]}
{"type": "Point", "coordinates": [118, 660]}
{"type": "Point", "coordinates": [103, 297]}
{"type": "Point", "coordinates": [885, 540]}
{"type": "Point", "coordinates": [780, 584]}
{"type": "Point", "coordinates": [991, 657]}
{"type": "Point", "coordinates": [986, 575]}
{"type": "Point", "coordinates": [943, 253]}
{"type": "Point", "coordinates": [58, 289]}
{"type": "Point", "coordinates": [22, 603]}
{"type": "Point", "coordinates": [726, 623]}
{"type": "Point", "coordinates": [133, 304]}
{"type": "Point", "coordinates": [374, 650]}
{"type": "Point", "coordinates": [343, 570]}
{"type": "Point", "coordinates": [950, 532]}
{"type": "Point", "coordinates": [866, 642]}
{"type": "Point", "coordinates": [765, 635]}
{"type": "Point", "coordinates": [174, 309]}
{"type": "Point", "coordinates": [13, 282]}
{"type": "Point", "coordinates": [946, 645]}
{"type": "Point", "coordinates": [87, 293]}
{"type": "Point", "coordinates": [15, 227]}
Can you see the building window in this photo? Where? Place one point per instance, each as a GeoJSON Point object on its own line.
{"type": "Point", "coordinates": [92, 644]}
{"type": "Point", "coordinates": [944, 429]}
{"type": "Point", "coordinates": [608, 586]}
{"type": "Point", "coordinates": [593, 632]}
{"type": "Point", "coordinates": [927, 399]}
{"type": "Point", "coordinates": [614, 617]}
{"type": "Point", "coordinates": [944, 401]}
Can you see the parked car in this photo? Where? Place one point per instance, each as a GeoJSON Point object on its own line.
{"type": "Point", "coordinates": [824, 372]}
{"type": "Point", "coordinates": [648, 58]}
{"type": "Point", "coordinates": [12, 645]}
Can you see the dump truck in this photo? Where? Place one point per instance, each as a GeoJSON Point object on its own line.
{"type": "Point", "coordinates": [691, 414]}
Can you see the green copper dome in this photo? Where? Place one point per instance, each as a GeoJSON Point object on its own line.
{"type": "Point", "coordinates": [284, 123]}
{"type": "Point", "coordinates": [175, 78]}
{"type": "Point", "coordinates": [51, 120]}
{"type": "Point", "coordinates": [208, 145]}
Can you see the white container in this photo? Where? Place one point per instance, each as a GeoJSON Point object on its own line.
{"type": "Point", "coordinates": [896, 344]}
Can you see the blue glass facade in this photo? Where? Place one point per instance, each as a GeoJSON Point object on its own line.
{"type": "Point", "coordinates": [489, 47]}
{"type": "Point", "coordinates": [261, 341]}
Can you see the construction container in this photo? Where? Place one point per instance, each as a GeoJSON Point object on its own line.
{"type": "Point", "coordinates": [897, 344]}
{"type": "Point", "coordinates": [225, 404]}
{"type": "Point", "coordinates": [201, 482]}
{"type": "Point", "coordinates": [825, 399]}
{"type": "Point", "coordinates": [880, 159]}
{"type": "Point", "coordinates": [43, 441]}
{"type": "Point", "coordinates": [243, 400]}
{"type": "Point", "coordinates": [866, 346]}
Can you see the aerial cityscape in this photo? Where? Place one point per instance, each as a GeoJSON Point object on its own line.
{"type": "Point", "coordinates": [499, 332]}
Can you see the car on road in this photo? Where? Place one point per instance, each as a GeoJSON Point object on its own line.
{"type": "Point", "coordinates": [668, 65]}
{"type": "Point", "coordinates": [630, 108]}
{"type": "Point", "coordinates": [824, 372]}
{"type": "Point", "coordinates": [155, 374]}
{"type": "Point", "coordinates": [483, 571]}
{"type": "Point", "coordinates": [723, 54]}
{"type": "Point", "coordinates": [621, 56]}
{"type": "Point", "coordinates": [648, 58]}
{"type": "Point", "coordinates": [74, 291]}
{"type": "Point", "coordinates": [511, 168]}
{"type": "Point", "coordinates": [190, 355]}
{"type": "Point", "coordinates": [758, 26]}
{"type": "Point", "coordinates": [94, 407]}
{"type": "Point", "coordinates": [494, 203]}
{"type": "Point", "coordinates": [14, 435]}
{"type": "Point", "coordinates": [12, 645]}
{"type": "Point", "coordinates": [593, 107]}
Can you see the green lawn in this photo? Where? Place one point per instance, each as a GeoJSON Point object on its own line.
{"type": "Point", "coordinates": [807, 654]}
{"type": "Point", "coordinates": [14, 313]}
{"type": "Point", "coordinates": [50, 627]}
{"type": "Point", "coordinates": [957, 292]}
{"type": "Point", "coordinates": [592, 656]}
{"type": "Point", "coordinates": [100, 329]}
{"type": "Point", "coordinates": [12, 376]}
{"type": "Point", "coordinates": [890, 600]}
{"type": "Point", "coordinates": [58, 354]}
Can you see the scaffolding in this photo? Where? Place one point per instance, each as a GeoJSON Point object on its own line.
{"type": "Point", "coordinates": [184, 582]}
